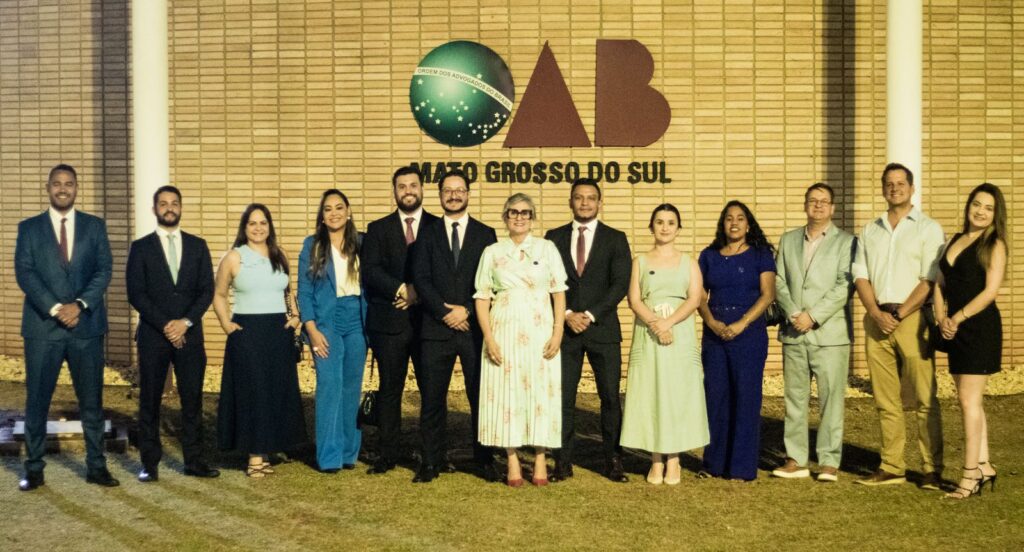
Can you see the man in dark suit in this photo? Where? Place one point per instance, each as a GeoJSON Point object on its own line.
{"type": "Point", "coordinates": [170, 282]}
{"type": "Point", "coordinates": [444, 270]}
{"type": "Point", "coordinates": [63, 264]}
{"type": "Point", "coordinates": [598, 261]}
{"type": "Point", "coordinates": [392, 317]}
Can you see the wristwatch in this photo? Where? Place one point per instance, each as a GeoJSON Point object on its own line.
{"type": "Point", "coordinates": [188, 323]}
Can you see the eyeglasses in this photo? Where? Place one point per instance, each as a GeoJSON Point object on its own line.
{"type": "Point", "coordinates": [516, 213]}
{"type": "Point", "coordinates": [454, 192]}
{"type": "Point", "coordinates": [819, 202]}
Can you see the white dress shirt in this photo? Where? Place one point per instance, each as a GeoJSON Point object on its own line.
{"type": "Point", "coordinates": [164, 235]}
{"type": "Point", "coordinates": [588, 243]}
{"type": "Point", "coordinates": [415, 223]}
{"type": "Point", "coordinates": [461, 229]}
{"type": "Point", "coordinates": [811, 244]}
{"type": "Point", "coordinates": [896, 260]}
{"type": "Point", "coordinates": [69, 228]}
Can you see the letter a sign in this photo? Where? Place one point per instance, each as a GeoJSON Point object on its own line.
{"type": "Point", "coordinates": [628, 111]}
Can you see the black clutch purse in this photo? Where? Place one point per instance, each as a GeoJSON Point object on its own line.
{"type": "Point", "coordinates": [297, 344]}
{"type": "Point", "coordinates": [773, 315]}
{"type": "Point", "coordinates": [368, 411]}
{"type": "Point", "coordinates": [935, 340]}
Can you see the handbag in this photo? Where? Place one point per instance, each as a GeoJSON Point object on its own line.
{"type": "Point", "coordinates": [297, 345]}
{"type": "Point", "coordinates": [773, 315]}
{"type": "Point", "coordinates": [368, 414]}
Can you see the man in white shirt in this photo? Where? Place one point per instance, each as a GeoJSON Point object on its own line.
{"type": "Point", "coordinates": [170, 282]}
{"type": "Point", "coordinates": [62, 262]}
{"type": "Point", "coordinates": [895, 266]}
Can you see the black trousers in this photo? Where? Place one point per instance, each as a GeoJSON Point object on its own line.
{"type": "Point", "coordinates": [438, 358]}
{"type": "Point", "coordinates": [43, 360]}
{"type": "Point", "coordinates": [606, 360]}
{"type": "Point", "coordinates": [155, 356]}
{"type": "Point", "coordinates": [393, 352]}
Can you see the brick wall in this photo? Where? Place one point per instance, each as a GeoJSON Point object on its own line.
{"type": "Point", "coordinates": [276, 101]}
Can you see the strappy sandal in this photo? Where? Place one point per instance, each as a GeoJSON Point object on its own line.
{"type": "Point", "coordinates": [254, 471]}
{"type": "Point", "coordinates": [990, 479]}
{"type": "Point", "coordinates": [962, 492]}
{"type": "Point", "coordinates": [266, 468]}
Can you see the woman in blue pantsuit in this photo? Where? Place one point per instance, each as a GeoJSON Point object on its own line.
{"type": "Point", "coordinates": [739, 281]}
{"type": "Point", "coordinates": [333, 310]}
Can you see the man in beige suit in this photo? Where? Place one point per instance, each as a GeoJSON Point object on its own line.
{"type": "Point", "coordinates": [813, 287]}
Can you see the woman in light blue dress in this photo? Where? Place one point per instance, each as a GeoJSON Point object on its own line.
{"type": "Point", "coordinates": [665, 412]}
{"type": "Point", "coordinates": [518, 279]}
{"type": "Point", "coordinates": [332, 311]}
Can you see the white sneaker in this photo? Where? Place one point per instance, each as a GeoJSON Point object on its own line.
{"type": "Point", "coordinates": [790, 470]}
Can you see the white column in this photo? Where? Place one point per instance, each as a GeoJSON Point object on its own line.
{"type": "Point", "coordinates": [150, 108]}
{"type": "Point", "coordinates": [903, 87]}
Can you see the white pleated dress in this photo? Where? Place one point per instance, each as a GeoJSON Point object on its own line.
{"type": "Point", "coordinates": [521, 401]}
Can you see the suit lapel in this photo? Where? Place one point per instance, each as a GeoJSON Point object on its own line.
{"type": "Point", "coordinates": [46, 225]}
{"type": "Point", "coordinates": [332, 276]}
{"type": "Point", "coordinates": [564, 243]}
{"type": "Point", "coordinates": [826, 241]}
{"type": "Point", "coordinates": [595, 244]}
{"type": "Point", "coordinates": [76, 251]}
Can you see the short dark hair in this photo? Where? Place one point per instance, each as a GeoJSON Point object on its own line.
{"type": "Point", "coordinates": [402, 171]}
{"type": "Point", "coordinates": [820, 186]}
{"type": "Point", "coordinates": [585, 182]}
{"type": "Point", "coordinates": [454, 172]}
{"type": "Point", "coordinates": [898, 167]}
{"type": "Point", "coordinates": [167, 188]}
{"type": "Point", "coordinates": [62, 167]}
{"type": "Point", "coordinates": [665, 207]}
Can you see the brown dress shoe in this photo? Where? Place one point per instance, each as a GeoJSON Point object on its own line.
{"type": "Point", "coordinates": [932, 481]}
{"type": "Point", "coordinates": [791, 470]}
{"type": "Point", "coordinates": [828, 474]}
{"type": "Point", "coordinates": [882, 477]}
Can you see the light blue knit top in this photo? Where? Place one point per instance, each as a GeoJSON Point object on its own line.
{"type": "Point", "coordinates": [258, 288]}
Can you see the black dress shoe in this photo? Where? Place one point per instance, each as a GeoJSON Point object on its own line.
{"type": "Point", "coordinates": [102, 478]}
{"type": "Point", "coordinates": [381, 466]}
{"type": "Point", "coordinates": [561, 472]}
{"type": "Point", "coordinates": [32, 481]}
{"type": "Point", "coordinates": [330, 471]}
{"type": "Point", "coordinates": [201, 470]}
{"type": "Point", "coordinates": [426, 474]}
{"type": "Point", "coordinates": [149, 475]}
{"type": "Point", "coordinates": [348, 466]}
{"type": "Point", "coordinates": [614, 471]}
{"type": "Point", "coordinates": [449, 467]}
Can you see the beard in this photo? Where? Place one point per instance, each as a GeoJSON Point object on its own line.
{"type": "Point", "coordinates": [168, 219]}
{"type": "Point", "coordinates": [417, 201]}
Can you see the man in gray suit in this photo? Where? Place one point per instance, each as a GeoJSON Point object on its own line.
{"type": "Point", "coordinates": [813, 287]}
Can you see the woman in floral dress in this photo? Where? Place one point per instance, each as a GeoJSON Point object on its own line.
{"type": "Point", "coordinates": [520, 303]}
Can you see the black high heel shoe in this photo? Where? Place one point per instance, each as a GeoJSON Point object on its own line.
{"type": "Point", "coordinates": [962, 492]}
{"type": "Point", "coordinates": [990, 479]}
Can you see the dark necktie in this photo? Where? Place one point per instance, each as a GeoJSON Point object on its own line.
{"type": "Point", "coordinates": [455, 243]}
{"type": "Point", "coordinates": [64, 241]}
{"type": "Point", "coordinates": [581, 251]}
{"type": "Point", "coordinates": [409, 236]}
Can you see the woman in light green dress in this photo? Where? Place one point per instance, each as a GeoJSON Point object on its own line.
{"type": "Point", "coordinates": [665, 412]}
{"type": "Point", "coordinates": [520, 303]}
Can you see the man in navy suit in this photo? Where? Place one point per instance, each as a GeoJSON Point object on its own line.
{"type": "Point", "coordinates": [444, 270]}
{"type": "Point", "coordinates": [63, 264]}
{"type": "Point", "coordinates": [393, 314]}
{"type": "Point", "coordinates": [170, 282]}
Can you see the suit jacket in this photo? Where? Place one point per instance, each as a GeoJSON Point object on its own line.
{"type": "Point", "coordinates": [823, 290]}
{"type": "Point", "coordinates": [439, 281]}
{"type": "Point", "coordinates": [46, 281]}
{"type": "Point", "coordinates": [317, 297]}
{"type": "Point", "coordinates": [604, 283]}
{"type": "Point", "coordinates": [156, 296]}
{"type": "Point", "coordinates": [384, 266]}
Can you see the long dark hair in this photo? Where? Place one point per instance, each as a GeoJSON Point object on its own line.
{"type": "Point", "coordinates": [277, 259]}
{"type": "Point", "coordinates": [322, 240]}
{"type": "Point", "coordinates": [997, 230]}
{"type": "Point", "coordinates": [755, 237]}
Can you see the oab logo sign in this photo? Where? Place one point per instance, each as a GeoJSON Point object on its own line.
{"type": "Point", "coordinates": [462, 95]}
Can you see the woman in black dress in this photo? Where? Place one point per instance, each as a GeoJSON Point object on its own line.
{"type": "Point", "coordinates": [971, 271]}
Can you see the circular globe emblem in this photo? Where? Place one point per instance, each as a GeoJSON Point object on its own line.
{"type": "Point", "coordinates": [461, 94]}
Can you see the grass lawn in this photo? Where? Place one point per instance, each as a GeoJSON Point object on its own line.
{"type": "Point", "coordinates": [299, 508]}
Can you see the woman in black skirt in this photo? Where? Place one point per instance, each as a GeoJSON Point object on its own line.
{"type": "Point", "coordinates": [260, 409]}
{"type": "Point", "coordinates": [971, 271]}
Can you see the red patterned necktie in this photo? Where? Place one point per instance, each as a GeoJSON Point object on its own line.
{"type": "Point", "coordinates": [409, 236]}
{"type": "Point", "coordinates": [581, 251]}
{"type": "Point", "coordinates": [64, 241]}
